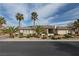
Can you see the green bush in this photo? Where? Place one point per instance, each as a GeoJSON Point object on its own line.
{"type": "Point", "coordinates": [67, 36]}
{"type": "Point", "coordinates": [37, 36]}
{"type": "Point", "coordinates": [28, 36]}
{"type": "Point", "coordinates": [21, 35]}
{"type": "Point", "coordinates": [33, 35]}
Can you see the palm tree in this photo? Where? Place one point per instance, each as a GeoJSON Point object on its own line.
{"type": "Point", "coordinates": [11, 30]}
{"type": "Point", "coordinates": [19, 17]}
{"type": "Point", "coordinates": [34, 16]}
{"type": "Point", "coordinates": [2, 21]}
{"type": "Point", "coordinates": [76, 25]}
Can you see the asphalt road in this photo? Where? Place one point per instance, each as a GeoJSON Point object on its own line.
{"type": "Point", "coordinates": [29, 48]}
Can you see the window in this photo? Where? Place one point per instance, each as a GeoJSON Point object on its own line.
{"type": "Point", "coordinates": [50, 31]}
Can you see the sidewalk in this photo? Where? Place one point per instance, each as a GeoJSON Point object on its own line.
{"type": "Point", "coordinates": [35, 39]}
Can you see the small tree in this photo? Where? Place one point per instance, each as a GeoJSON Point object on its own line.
{"type": "Point", "coordinates": [11, 30]}
{"type": "Point", "coordinates": [39, 30]}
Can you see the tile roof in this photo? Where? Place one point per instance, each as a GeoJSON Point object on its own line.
{"type": "Point", "coordinates": [62, 27]}
{"type": "Point", "coordinates": [46, 27]}
{"type": "Point", "coordinates": [32, 27]}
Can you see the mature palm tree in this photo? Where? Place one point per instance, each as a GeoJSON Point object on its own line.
{"type": "Point", "coordinates": [2, 21]}
{"type": "Point", "coordinates": [34, 16]}
{"type": "Point", "coordinates": [76, 25]}
{"type": "Point", "coordinates": [19, 17]}
{"type": "Point", "coordinates": [11, 30]}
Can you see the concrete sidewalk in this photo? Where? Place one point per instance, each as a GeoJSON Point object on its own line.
{"type": "Point", "coordinates": [36, 39]}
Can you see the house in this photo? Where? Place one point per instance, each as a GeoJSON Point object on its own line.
{"type": "Point", "coordinates": [27, 30]}
{"type": "Point", "coordinates": [50, 30]}
{"type": "Point", "coordinates": [61, 30]}
{"type": "Point", "coordinates": [31, 30]}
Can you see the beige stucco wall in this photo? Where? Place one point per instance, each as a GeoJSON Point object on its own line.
{"type": "Point", "coordinates": [25, 32]}
{"type": "Point", "coordinates": [62, 32]}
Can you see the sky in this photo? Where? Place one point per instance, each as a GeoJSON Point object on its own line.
{"type": "Point", "coordinates": [48, 13]}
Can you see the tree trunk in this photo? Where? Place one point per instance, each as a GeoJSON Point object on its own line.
{"type": "Point", "coordinates": [34, 26]}
{"type": "Point", "coordinates": [11, 35]}
{"type": "Point", "coordinates": [19, 28]}
{"type": "Point", "coordinates": [34, 23]}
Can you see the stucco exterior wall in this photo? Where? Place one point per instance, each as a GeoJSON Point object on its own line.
{"type": "Point", "coordinates": [62, 32]}
{"type": "Point", "coordinates": [25, 32]}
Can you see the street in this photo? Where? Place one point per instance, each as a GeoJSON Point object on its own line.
{"type": "Point", "coordinates": [39, 48]}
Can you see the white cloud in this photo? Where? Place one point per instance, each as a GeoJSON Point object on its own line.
{"type": "Point", "coordinates": [63, 23]}
{"type": "Point", "coordinates": [49, 9]}
{"type": "Point", "coordinates": [45, 11]}
{"type": "Point", "coordinates": [66, 17]}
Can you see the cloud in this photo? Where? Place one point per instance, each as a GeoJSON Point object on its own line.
{"type": "Point", "coordinates": [69, 15]}
{"type": "Point", "coordinates": [64, 23]}
{"type": "Point", "coordinates": [49, 9]}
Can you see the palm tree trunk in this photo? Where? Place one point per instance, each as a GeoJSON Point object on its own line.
{"type": "Point", "coordinates": [11, 35]}
{"type": "Point", "coordinates": [19, 28]}
{"type": "Point", "coordinates": [34, 23]}
{"type": "Point", "coordinates": [34, 26]}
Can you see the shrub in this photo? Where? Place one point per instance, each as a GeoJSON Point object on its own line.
{"type": "Point", "coordinates": [44, 37]}
{"type": "Point", "coordinates": [37, 36]}
{"type": "Point", "coordinates": [33, 35]}
{"type": "Point", "coordinates": [21, 35]}
{"type": "Point", "coordinates": [58, 38]}
{"type": "Point", "coordinates": [16, 35]}
{"type": "Point", "coordinates": [51, 37]}
{"type": "Point", "coordinates": [28, 36]}
{"type": "Point", "coordinates": [67, 36]}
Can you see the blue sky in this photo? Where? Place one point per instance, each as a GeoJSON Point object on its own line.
{"type": "Point", "coordinates": [48, 14]}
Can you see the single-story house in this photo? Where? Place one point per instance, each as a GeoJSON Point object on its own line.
{"type": "Point", "coordinates": [61, 30]}
{"type": "Point", "coordinates": [50, 30]}
{"type": "Point", "coordinates": [27, 30]}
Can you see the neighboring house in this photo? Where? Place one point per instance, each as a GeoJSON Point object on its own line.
{"type": "Point", "coordinates": [27, 30]}
{"type": "Point", "coordinates": [74, 30]}
{"type": "Point", "coordinates": [50, 30]}
{"type": "Point", "coordinates": [61, 30]}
